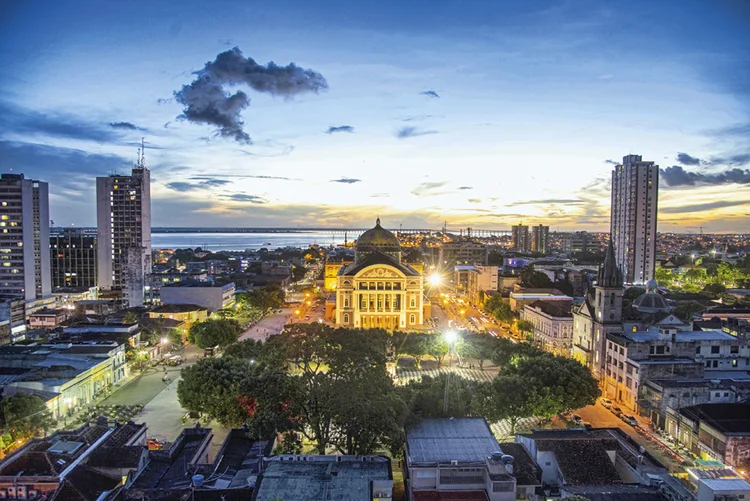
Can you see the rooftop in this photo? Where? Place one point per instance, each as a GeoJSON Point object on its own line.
{"type": "Point", "coordinates": [725, 418]}
{"type": "Point", "coordinates": [168, 467]}
{"type": "Point", "coordinates": [551, 309]}
{"type": "Point", "coordinates": [525, 469]}
{"type": "Point", "coordinates": [681, 337]}
{"type": "Point", "coordinates": [445, 440]}
{"type": "Point", "coordinates": [177, 308]}
{"type": "Point", "coordinates": [583, 462]}
{"type": "Point", "coordinates": [313, 478]}
{"type": "Point", "coordinates": [450, 496]}
{"type": "Point", "coordinates": [629, 492]}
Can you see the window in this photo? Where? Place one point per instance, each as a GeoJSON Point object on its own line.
{"type": "Point", "coordinates": [346, 302]}
{"type": "Point", "coordinates": [698, 350]}
{"type": "Point", "coordinates": [412, 319]}
{"type": "Point", "coordinates": [715, 350]}
{"type": "Point", "coordinates": [346, 318]}
{"type": "Point", "coordinates": [734, 349]}
{"type": "Point", "coordinates": [734, 363]}
{"type": "Point", "coordinates": [716, 364]}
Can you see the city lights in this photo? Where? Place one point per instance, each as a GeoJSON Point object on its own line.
{"type": "Point", "coordinates": [450, 337]}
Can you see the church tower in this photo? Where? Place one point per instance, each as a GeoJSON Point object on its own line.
{"type": "Point", "coordinates": [608, 300]}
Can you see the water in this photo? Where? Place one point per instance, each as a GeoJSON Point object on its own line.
{"type": "Point", "coordinates": [242, 241]}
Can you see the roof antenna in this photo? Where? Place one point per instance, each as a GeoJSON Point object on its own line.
{"type": "Point", "coordinates": [142, 156]}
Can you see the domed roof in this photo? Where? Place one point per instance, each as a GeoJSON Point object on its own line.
{"type": "Point", "coordinates": [378, 238]}
{"type": "Point", "coordinates": [651, 302]}
{"type": "Point", "coordinates": [652, 285]}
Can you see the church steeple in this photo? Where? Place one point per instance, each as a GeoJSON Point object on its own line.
{"type": "Point", "coordinates": [609, 273]}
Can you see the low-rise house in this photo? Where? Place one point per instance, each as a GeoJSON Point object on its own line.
{"type": "Point", "coordinates": [521, 297]}
{"type": "Point", "coordinates": [448, 456]}
{"type": "Point", "coordinates": [187, 314]}
{"type": "Point", "coordinates": [713, 431]}
{"type": "Point", "coordinates": [47, 318]}
{"type": "Point", "coordinates": [211, 296]}
{"type": "Point", "coordinates": [333, 478]}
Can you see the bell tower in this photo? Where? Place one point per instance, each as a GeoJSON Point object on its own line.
{"type": "Point", "coordinates": [608, 296]}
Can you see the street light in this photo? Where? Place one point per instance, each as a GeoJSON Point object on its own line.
{"type": "Point", "coordinates": [164, 340]}
{"type": "Point", "coordinates": [450, 338]}
{"type": "Point", "coordinates": [435, 279]}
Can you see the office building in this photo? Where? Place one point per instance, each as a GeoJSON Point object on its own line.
{"type": "Point", "coordinates": [635, 193]}
{"type": "Point", "coordinates": [461, 252]}
{"type": "Point", "coordinates": [521, 240]}
{"type": "Point", "coordinates": [123, 225]}
{"type": "Point", "coordinates": [24, 238]}
{"type": "Point", "coordinates": [539, 239]}
{"type": "Point", "coordinates": [213, 297]}
{"type": "Point", "coordinates": [73, 252]}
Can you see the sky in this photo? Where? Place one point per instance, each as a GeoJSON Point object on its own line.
{"type": "Point", "coordinates": [331, 113]}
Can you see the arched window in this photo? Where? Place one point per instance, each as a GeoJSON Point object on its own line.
{"type": "Point", "coordinates": [412, 319]}
{"type": "Point", "coordinates": [346, 318]}
{"type": "Point", "coordinates": [612, 299]}
{"type": "Point", "coordinates": [347, 282]}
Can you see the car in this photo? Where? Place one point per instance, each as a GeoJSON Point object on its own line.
{"type": "Point", "coordinates": [616, 410]}
{"type": "Point", "coordinates": [576, 419]}
{"type": "Point", "coordinates": [630, 420]}
{"type": "Point", "coordinates": [606, 403]}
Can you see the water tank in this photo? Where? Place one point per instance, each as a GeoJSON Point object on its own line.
{"type": "Point", "coordinates": [507, 459]}
{"type": "Point", "coordinates": [197, 480]}
{"type": "Point", "coordinates": [497, 456]}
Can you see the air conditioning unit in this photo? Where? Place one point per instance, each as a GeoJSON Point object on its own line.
{"type": "Point", "coordinates": [454, 462]}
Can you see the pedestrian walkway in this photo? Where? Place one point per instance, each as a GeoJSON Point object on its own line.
{"type": "Point", "coordinates": [406, 375]}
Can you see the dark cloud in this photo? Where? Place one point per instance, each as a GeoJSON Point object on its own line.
{"type": "Point", "coordinates": [731, 160]}
{"type": "Point", "coordinates": [206, 102]}
{"type": "Point", "coordinates": [123, 125]}
{"type": "Point", "coordinates": [242, 197]}
{"type": "Point", "coordinates": [204, 182]}
{"type": "Point", "coordinates": [162, 100]}
{"type": "Point", "coordinates": [686, 159]}
{"type": "Point", "coordinates": [407, 132]}
{"type": "Point", "coordinates": [430, 93]}
{"type": "Point", "coordinates": [702, 207]}
{"type": "Point", "coordinates": [545, 201]}
{"type": "Point", "coordinates": [612, 162]}
{"type": "Point", "coordinates": [340, 128]}
{"type": "Point", "coordinates": [416, 118]}
{"type": "Point", "coordinates": [346, 180]}
{"type": "Point", "coordinates": [465, 187]}
{"type": "Point", "coordinates": [55, 124]}
{"type": "Point", "coordinates": [677, 176]}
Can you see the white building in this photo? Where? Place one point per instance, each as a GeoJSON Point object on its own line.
{"type": "Point", "coordinates": [635, 193]}
{"type": "Point", "coordinates": [206, 294]}
{"type": "Point", "coordinates": [539, 239]}
{"type": "Point", "coordinates": [24, 238]}
{"type": "Point", "coordinates": [553, 326]}
{"type": "Point", "coordinates": [123, 223]}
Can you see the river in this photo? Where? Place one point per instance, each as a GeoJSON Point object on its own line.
{"type": "Point", "coordinates": [242, 241]}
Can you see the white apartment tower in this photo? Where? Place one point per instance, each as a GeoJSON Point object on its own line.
{"type": "Point", "coordinates": [123, 228]}
{"type": "Point", "coordinates": [24, 238]}
{"type": "Point", "coordinates": [635, 193]}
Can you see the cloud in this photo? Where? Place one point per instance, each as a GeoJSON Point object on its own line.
{"type": "Point", "coordinates": [123, 125]}
{"type": "Point", "coordinates": [242, 197]}
{"type": "Point", "coordinates": [429, 189]}
{"type": "Point", "coordinates": [340, 128]}
{"type": "Point", "coordinates": [205, 182]}
{"type": "Point", "coordinates": [407, 132]}
{"type": "Point", "coordinates": [243, 176]}
{"type": "Point", "coordinates": [416, 118]}
{"type": "Point", "coordinates": [430, 93]}
{"type": "Point", "coordinates": [380, 195]}
{"type": "Point", "coordinates": [55, 124]}
{"type": "Point", "coordinates": [465, 187]}
{"type": "Point", "coordinates": [611, 162]}
{"type": "Point", "coordinates": [677, 176]}
{"type": "Point", "coordinates": [702, 207]}
{"type": "Point", "coordinates": [686, 159]}
{"type": "Point", "coordinates": [205, 101]}
{"type": "Point", "coordinates": [346, 180]}
{"type": "Point", "coordinates": [475, 200]}
{"type": "Point", "coordinates": [548, 201]}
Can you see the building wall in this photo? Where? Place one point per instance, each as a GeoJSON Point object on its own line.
{"type": "Point", "coordinates": [24, 239]}
{"type": "Point", "coordinates": [540, 239]}
{"type": "Point", "coordinates": [73, 258]}
{"type": "Point", "coordinates": [635, 190]}
{"type": "Point", "coordinates": [552, 334]}
{"type": "Point", "coordinates": [212, 298]}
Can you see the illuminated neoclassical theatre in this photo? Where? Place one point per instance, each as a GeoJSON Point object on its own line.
{"type": "Point", "coordinates": [377, 290]}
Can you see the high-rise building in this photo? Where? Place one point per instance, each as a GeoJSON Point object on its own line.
{"type": "Point", "coordinates": [73, 252]}
{"type": "Point", "coordinates": [123, 229]}
{"type": "Point", "coordinates": [635, 193]}
{"type": "Point", "coordinates": [521, 240]}
{"type": "Point", "coordinates": [539, 239]}
{"type": "Point", "coordinates": [24, 238]}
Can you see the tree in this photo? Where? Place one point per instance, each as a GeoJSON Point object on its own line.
{"type": "Point", "coordinates": [534, 279]}
{"type": "Point", "coordinates": [265, 298]}
{"type": "Point", "coordinates": [524, 326]}
{"type": "Point", "coordinates": [130, 318]}
{"type": "Point", "coordinates": [480, 347]}
{"type": "Point", "coordinates": [498, 308]}
{"type": "Point", "coordinates": [686, 309]}
{"type": "Point", "coordinates": [633, 293]}
{"type": "Point", "coordinates": [437, 348]}
{"type": "Point", "coordinates": [447, 395]}
{"type": "Point", "coordinates": [212, 387]}
{"type": "Point", "coordinates": [507, 397]}
{"type": "Point", "coordinates": [665, 276]}
{"type": "Point", "coordinates": [562, 383]}
{"type": "Point", "coordinates": [298, 273]}
{"type": "Point", "coordinates": [25, 415]}
{"type": "Point", "coordinates": [175, 338]}
{"type": "Point", "coordinates": [248, 349]}
{"type": "Point", "coordinates": [210, 333]}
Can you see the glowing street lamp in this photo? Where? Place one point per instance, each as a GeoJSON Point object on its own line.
{"type": "Point", "coordinates": [164, 340]}
{"type": "Point", "coordinates": [450, 337]}
{"type": "Point", "coordinates": [435, 279]}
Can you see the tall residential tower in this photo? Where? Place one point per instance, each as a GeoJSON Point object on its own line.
{"type": "Point", "coordinates": [635, 193]}
{"type": "Point", "coordinates": [24, 238]}
{"type": "Point", "coordinates": [123, 227]}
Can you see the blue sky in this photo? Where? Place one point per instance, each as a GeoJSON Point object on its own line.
{"type": "Point", "coordinates": [478, 113]}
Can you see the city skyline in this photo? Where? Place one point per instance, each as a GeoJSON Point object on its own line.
{"type": "Point", "coordinates": [482, 116]}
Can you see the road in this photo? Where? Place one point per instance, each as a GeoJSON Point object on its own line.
{"type": "Point", "coordinates": [269, 325]}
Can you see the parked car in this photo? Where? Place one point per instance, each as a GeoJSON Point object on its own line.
{"type": "Point", "coordinates": [606, 403]}
{"type": "Point", "coordinates": [576, 419]}
{"type": "Point", "coordinates": [616, 410]}
{"type": "Point", "coordinates": [630, 419]}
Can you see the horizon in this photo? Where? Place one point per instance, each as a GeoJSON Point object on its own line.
{"type": "Point", "coordinates": [479, 115]}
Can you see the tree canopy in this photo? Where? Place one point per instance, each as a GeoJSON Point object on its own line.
{"type": "Point", "coordinates": [25, 415]}
{"type": "Point", "coordinates": [214, 332]}
{"type": "Point", "coordinates": [498, 308]}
